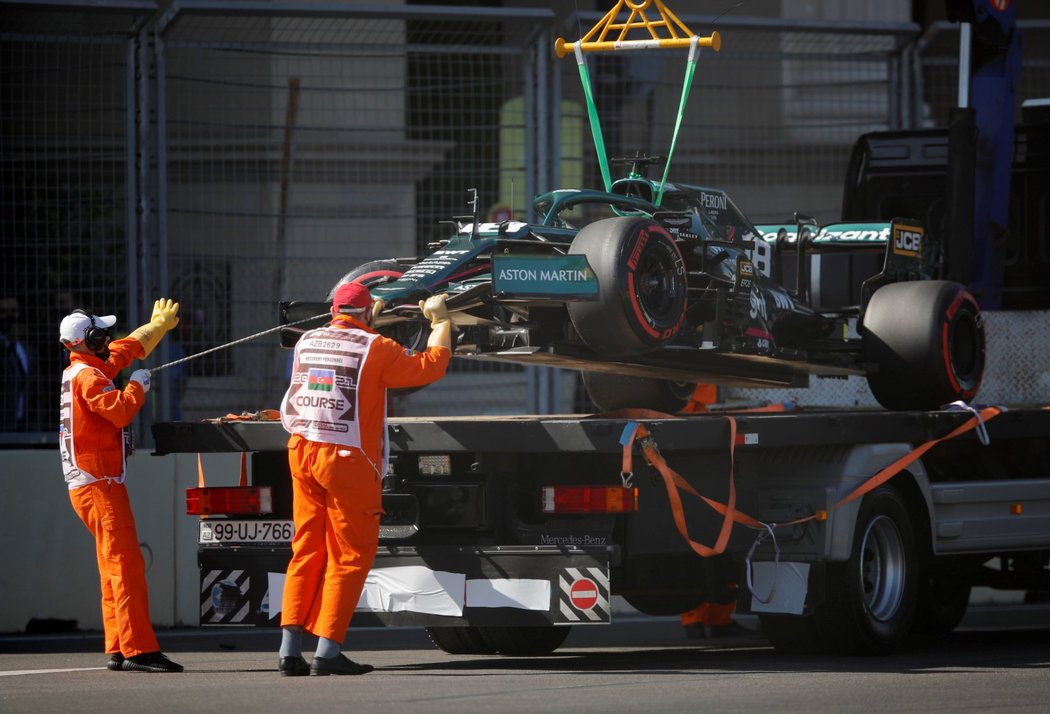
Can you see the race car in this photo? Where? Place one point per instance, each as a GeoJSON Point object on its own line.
{"type": "Point", "coordinates": [650, 287]}
{"type": "Point", "coordinates": [648, 300]}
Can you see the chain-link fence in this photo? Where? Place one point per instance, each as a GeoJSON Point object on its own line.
{"type": "Point", "coordinates": [68, 225]}
{"type": "Point", "coordinates": [235, 155]}
{"type": "Point", "coordinates": [299, 145]}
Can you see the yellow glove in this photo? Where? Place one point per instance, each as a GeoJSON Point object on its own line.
{"type": "Point", "coordinates": [434, 309]}
{"type": "Point", "coordinates": [165, 317]}
{"type": "Point", "coordinates": [377, 307]}
{"type": "Point", "coordinates": [165, 314]}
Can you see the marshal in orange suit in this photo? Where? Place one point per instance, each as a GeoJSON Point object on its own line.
{"type": "Point", "coordinates": [335, 411]}
{"type": "Point", "coordinates": [94, 441]}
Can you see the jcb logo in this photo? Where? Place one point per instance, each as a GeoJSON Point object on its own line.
{"type": "Point", "coordinates": [907, 241]}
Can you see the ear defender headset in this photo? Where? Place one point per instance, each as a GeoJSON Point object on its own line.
{"type": "Point", "coordinates": [94, 336]}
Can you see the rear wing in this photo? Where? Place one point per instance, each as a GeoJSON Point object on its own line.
{"type": "Point", "coordinates": [832, 234]}
{"type": "Point", "coordinates": [899, 247]}
{"type": "Point", "coordinates": [612, 35]}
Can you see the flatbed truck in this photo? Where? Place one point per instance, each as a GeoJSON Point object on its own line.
{"type": "Point", "coordinates": [502, 533]}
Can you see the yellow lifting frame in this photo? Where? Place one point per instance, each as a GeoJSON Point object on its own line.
{"type": "Point", "coordinates": [598, 38]}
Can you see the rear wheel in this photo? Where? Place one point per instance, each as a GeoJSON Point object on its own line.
{"type": "Point", "coordinates": [611, 392]}
{"type": "Point", "coordinates": [524, 641]}
{"type": "Point", "coordinates": [641, 287]}
{"type": "Point", "coordinates": [924, 341]}
{"type": "Point", "coordinates": [459, 640]}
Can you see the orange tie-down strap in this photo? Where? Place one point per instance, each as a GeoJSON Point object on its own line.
{"type": "Point", "coordinates": [261, 415]}
{"type": "Point", "coordinates": [244, 470]}
{"type": "Point", "coordinates": [673, 481]}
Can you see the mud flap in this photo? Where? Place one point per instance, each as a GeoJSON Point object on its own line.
{"type": "Point", "coordinates": [435, 586]}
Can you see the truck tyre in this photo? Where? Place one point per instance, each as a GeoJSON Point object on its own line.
{"type": "Point", "coordinates": [524, 641]}
{"type": "Point", "coordinates": [378, 272]}
{"type": "Point", "coordinates": [610, 392]}
{"type": "Point", "coordinates": [924, 343]}
{"type": "Point", "coordinates": [459, 640]}
{"type": "Point", "coordinates": [870, 600]}
{"type": "Point", "coordinates": [641, 287]}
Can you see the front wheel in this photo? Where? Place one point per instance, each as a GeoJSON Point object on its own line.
{"type": "Point", "coordinates": [641, 287]}
{"type": "Point", "coordinates": [524, 641]}
{"type": "Point", "coordinates": [871, 598]}
{"type": "Point", "coordinates": [459, 640]}
{"type": "Point", "coordinates": [411, 335]}
{"type": "Point", "coordinates": [924, 343]}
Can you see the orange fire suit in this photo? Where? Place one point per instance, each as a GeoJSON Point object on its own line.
{"type": "Point", "coordinates": [93, 454]}
{"type": "Point", "coordinates": [336, 492]}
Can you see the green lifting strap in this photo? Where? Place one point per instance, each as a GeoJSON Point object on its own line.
{"type": "Point", "coordinates": [687, 83]}
{"type": "Point", "coordinates": [592, 114]}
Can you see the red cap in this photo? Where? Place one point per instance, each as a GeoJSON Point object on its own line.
{"type": "Point", "coordinates": [351, 296]}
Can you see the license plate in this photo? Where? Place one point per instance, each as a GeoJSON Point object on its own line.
{"type": "Point", "coordinates": [226, 531]}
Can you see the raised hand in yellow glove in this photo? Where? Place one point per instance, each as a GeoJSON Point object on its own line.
{"type": "Point", "coordinates": [165, 317]}
{"type": "Point", "coordinates": [165, 314]}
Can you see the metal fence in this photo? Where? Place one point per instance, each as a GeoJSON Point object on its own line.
{"type": "Point", "coordinates": [68, 192]}
{"type": "Point", "coordinates": [231, 155]}
{"type": "Point", "coordinates": [300, 144]}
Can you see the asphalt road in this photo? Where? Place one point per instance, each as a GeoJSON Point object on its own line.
{"type": "Point", "coordinates": [999, 660]}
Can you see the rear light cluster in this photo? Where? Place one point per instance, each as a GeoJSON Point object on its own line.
{"type": "Point", "coordinates": [229, 500]}
{"type": "Point", "coordinates": [589, 499]}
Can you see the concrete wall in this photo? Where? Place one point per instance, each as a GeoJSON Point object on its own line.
{"type": "Point", "coordinates": [47, 556]}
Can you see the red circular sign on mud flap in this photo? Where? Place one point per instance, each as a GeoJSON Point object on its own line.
{"type": "Point", "coordinates": [583, 594]}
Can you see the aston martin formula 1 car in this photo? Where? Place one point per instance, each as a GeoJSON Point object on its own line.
{"type": "Point", "coordinates": [650, 287]}
{"type": "Point", "coordinates": [648, 300]}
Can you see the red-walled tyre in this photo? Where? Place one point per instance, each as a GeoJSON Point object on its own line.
{"type": "Point", "coordinates": [641, 287]}
{"type": "Point", "coordinates": [924, 344]}
{"type": "Point", "coordinates": [379, 272]}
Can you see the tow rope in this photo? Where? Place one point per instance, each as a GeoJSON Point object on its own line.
{"type": "Point", "coordinates": [237, 342]}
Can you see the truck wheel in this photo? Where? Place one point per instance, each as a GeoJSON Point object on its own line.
{"type": "Point", "coordinates": [924, 342]}
{"type": "Point", "coordinates": [871, 598]}
{"type": "Point", "coordinates": [524, 641]}
{"type": "Point", "coordinates": [641, 287]}
{"type": "Point", "coordinates": [459, 640]}
{"type": "Point", "coordinates": [610, 392]}
{"type": "Point", "coordinates": [378, 272]}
